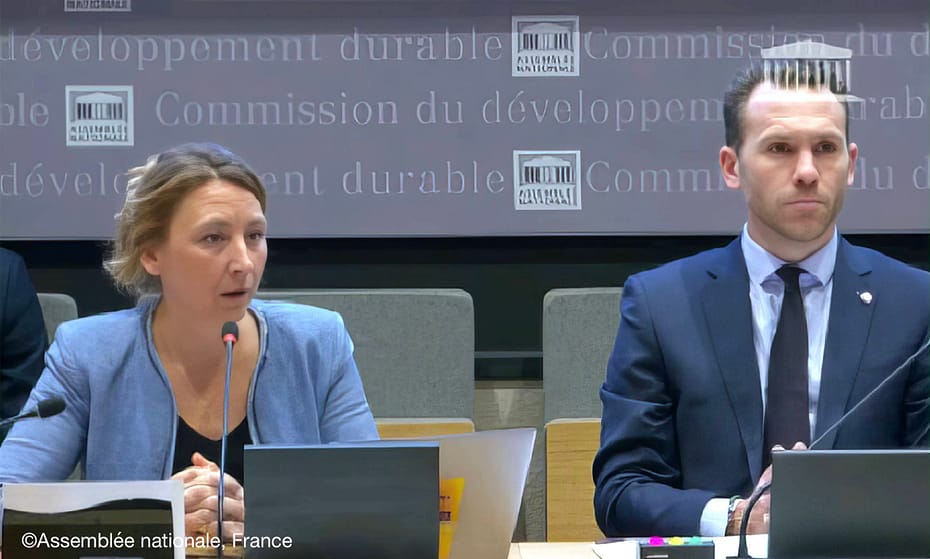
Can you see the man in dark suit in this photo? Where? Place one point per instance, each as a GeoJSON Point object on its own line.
{"type": "Point", "coordinates": [700, 386]}
{"type": "Point", "coordinates": [22, 335]}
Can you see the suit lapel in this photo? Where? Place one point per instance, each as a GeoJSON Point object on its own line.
{"type": "Point", "coordinates": [728, 312]}
{"type": "Point", "coordinates": [847, 331]}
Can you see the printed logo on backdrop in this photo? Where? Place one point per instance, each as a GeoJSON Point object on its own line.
{"type": "Point", "coordinates": [825, 64]}
{"type": "Point", "coordinates": [98, 5]}
{"type": "Point", "coordinates": [822, 63]}
{"type": "Point", "coordinates": [546, 180]}
{"type": "Point", "coordinates": [544, 46]}
{"type": "Point", "coordinates": [99, 115]}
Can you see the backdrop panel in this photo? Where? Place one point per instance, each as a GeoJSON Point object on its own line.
{"type": "Point", "coordinates": [439, 118]}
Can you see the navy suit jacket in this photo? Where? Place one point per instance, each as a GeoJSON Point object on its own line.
{"type": "Point", "coordinates": [682, 418]}
{"type": "Point", "coordinates": [22, 334]}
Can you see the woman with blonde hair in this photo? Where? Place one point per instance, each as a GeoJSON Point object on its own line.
{"type": "Point", "coordinates": [144, 387]}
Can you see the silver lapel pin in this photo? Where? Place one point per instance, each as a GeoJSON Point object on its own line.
{"type": "Point", "coordinates": [865, 297]}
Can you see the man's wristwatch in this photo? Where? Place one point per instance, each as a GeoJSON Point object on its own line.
{"type": "Point", "coordinates": [733, 518]}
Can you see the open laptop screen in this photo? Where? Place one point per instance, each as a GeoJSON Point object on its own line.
{"type": "Point", "coordinates": [850, 503]}
{"type": "Point", "coordinates": [371, 500]}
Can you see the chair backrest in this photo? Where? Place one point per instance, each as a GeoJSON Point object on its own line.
{"type": "Point", "coordinates": [415, 348]}
{"type": "Point", "coordinates": [579, 329]}
{"type": "Point", "coordinates": [56, 308]}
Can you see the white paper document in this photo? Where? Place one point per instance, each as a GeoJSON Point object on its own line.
{"type": "Point", "coordinates": [51, 498]}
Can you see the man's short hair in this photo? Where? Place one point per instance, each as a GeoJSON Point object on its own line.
{"type": "Point", "coordinates": [808, 74]}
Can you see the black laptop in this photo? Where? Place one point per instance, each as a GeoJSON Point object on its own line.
{"type": "Point", "coordinates": [371, 500]}
{"type": "Point", "coordinates": [850, 503]}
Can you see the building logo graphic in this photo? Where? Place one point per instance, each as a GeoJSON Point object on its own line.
{"type": "Point", "coordinates": [99, 115]}
{"type": "Point", "coordinates": [546, 180]}
{"type": "Point", "coordinates": [803, 62]}
{"type": "Point", "coordinates": [98, 5]}
{"type": "Point", "coordinates": [544, 46]}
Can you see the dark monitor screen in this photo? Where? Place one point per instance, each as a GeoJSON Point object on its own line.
{"type": "Point", "coordinates": [850, 503]}
{"type": "Point", "coordinates": [371, 500]}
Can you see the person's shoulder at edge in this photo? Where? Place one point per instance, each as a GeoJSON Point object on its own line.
{"type": "Point", "coordinates": [8, 258]}
{"type": "Point", "coordinates": [13, 270]}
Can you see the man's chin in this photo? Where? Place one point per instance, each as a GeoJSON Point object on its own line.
{"type": "Point", "coordinates": [808, 233]}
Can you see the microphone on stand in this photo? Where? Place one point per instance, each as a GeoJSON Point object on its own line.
{"type": "Point", "coordinates": [230, 337]}
{"type": "Point", "coordinates": [45, 408]}
{"type": "Point", "coordinates": [743, 552]}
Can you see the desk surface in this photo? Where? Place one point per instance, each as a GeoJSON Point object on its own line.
{"type": "Point", "coordinates": [723, 547]}
{"type": "Point", "coordinates": [517, 551]}
{"type": "Point", "coordinates": [578, 550]}
{"type": "Point", "coordinates": [535, 550]}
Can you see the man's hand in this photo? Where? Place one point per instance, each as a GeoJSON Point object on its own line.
{"type": "Point", "coordinates": [759, 517]}
{"type": "Point", "coordinates": [201, 486]}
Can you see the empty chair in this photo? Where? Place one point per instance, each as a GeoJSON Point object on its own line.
{"type": "Point", "coordinates": [56, 308]}
{"type": "Point", "coordinates": [579, 328]}
{"type": "Point", "coordinates": [414, 347]}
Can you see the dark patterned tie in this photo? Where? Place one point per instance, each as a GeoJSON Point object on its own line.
{"type": "Point", "coordinates": [786, 408]}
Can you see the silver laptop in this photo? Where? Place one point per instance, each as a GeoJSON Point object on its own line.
{"type": "Point", "coordinates": [494, 465]}
{"type": "Point", "coordinates": [850, 503]}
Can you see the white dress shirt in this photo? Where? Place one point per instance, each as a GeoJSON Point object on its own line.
{"type": "Point", "coordinates": [766, 292]}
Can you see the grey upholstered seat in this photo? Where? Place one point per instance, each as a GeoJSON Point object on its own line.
{"type": "Point", "coordinates": [579, 328]}
{"type": "Point", "coordinates": [56, 308]}
{"type": "Point", "coordinates": [414, 347]}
